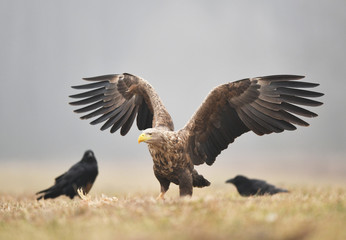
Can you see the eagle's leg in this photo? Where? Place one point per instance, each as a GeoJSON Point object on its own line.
{"type": "Point", "coordinates": [161, 196]}
{"type": "Point", "coordinates": [164, 183]}
{"type": "Point", "coordinates": [185, 183]}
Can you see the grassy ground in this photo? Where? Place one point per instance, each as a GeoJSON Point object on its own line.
{"type": "Point", "coordinates": [212, 213]}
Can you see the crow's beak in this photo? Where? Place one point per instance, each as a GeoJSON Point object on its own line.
{"type": "Point", "coordinates": [229, 180]}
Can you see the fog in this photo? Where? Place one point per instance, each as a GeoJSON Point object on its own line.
{"type": "Point", "coordinates": [184, 49]}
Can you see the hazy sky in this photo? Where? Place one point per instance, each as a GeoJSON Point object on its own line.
{"type": "Point", "coordinates": [183, 48]}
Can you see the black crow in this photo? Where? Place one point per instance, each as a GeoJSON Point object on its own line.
{"type": "Point", "coordinates": [249, 187]}
{"type": "Point", "coordinates": [81, 175]}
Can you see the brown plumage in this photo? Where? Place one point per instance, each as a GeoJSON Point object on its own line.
{"type": "Point", "coordinates": [262, 105]}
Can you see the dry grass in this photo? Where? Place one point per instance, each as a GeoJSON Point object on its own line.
{"type": "Point", "coordinates": [305, 213]}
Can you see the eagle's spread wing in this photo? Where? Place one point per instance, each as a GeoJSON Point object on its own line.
{"type": "Point", "coordinates": [117, 99]}
{"type": "Point", "coordinates": [263, 105]}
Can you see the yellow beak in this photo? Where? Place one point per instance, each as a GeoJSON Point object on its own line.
{"type": "Point", "coordinates": [143, 138]}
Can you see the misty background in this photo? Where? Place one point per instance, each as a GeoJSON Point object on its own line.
{"type": "Point", "coordinates": [184, 49]}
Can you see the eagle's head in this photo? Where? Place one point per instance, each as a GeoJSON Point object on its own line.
{"type": "Point", "coordinates": [151, 136]}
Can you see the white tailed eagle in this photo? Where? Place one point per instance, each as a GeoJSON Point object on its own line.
{"type": "Point", "coordinates": [261, 104]}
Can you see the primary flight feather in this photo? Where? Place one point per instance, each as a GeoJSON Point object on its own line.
{"type": "Point", "coordinates": [262, 104]}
